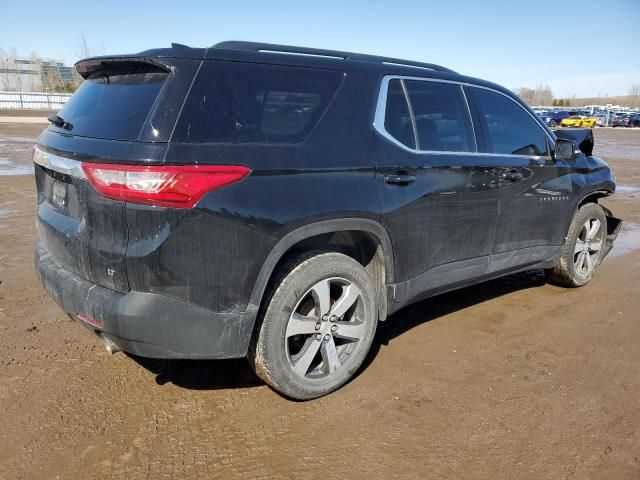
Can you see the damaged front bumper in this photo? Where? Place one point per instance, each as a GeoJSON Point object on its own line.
{"type": "Point", "coordinates": [613, 228]}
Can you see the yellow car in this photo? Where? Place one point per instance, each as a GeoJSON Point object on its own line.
{"type": "Point", "coordinates": [578, 121]}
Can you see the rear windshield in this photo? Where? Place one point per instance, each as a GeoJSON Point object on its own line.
{"type": "Point", "coordinates": [112, 105]}
{"type": "Point", "coordinates": [232, 102]}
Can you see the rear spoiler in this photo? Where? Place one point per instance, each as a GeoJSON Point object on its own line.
{"type": "Point", "coordinates": [152, 59]}
{"type": "Point", "coordinates": [135, 64]}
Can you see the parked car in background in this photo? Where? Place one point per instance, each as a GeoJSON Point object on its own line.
{"type": "Point", "coordinates": [578, 121]}
{"type": "Point", "coordinates": [621, 120]}
{"type": "Point", "coordinates": [634, 120]}
{"type": "Point", "coordinates": [553, 119]}
{"type": "Point", "coordinates": [276, 202]}
{"type": "Point", "coordinates": [601, 119]}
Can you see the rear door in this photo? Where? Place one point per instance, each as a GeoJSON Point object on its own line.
{"type": "Point", "coordinates": [105, 121]}
{"type": "Point", "coordinates": [439, 202]}
{"type": "Point", "coordinates": [535, 194]}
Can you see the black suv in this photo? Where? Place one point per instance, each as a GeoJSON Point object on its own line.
{"type": "Point", "coordinates": [276, 202]}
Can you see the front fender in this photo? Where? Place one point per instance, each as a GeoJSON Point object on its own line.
{"type": "Point", "coordinates": [591, 178]}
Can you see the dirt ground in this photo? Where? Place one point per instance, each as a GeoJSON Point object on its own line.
{"type": "Point", "coordinates": [514, 378]}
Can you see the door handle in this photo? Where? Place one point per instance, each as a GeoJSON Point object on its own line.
{"type": "Point", "coordinates": [512, 176]}
{"type": "Point", "coordinates": [399, 178]}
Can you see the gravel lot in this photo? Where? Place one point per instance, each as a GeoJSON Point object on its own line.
{"type": "Point", "coordinates": [514, 378]}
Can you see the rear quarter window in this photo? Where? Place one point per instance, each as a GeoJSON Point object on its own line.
{"type": "Point", "coordinates": [397, 118]}
{"type": "Point", "coordinates": [234, 102]}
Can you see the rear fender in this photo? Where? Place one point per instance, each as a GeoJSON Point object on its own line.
{"type": "Point", "coordinates": [318, 228]}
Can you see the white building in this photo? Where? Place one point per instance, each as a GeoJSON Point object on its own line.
{"type": "Point", "coordinates": [20, 74]}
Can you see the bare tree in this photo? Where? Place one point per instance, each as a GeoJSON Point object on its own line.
{"type": "Point", "coordinates": [543, 94]}
{"type": "Point", "coordinates": [85, 50]}
{"type": "Point", "coordinates": [4, 69]}
{"type": "Point", "coordinates": [526, 94]}
{"type": "Point", "coordinates": [10, 77]}
{"type": "Point", "coordinates": [540, 95]}
{"type": "Point", "coordinates": [18, 79]}
{"type": "Point", "coordinates": [634, 93]}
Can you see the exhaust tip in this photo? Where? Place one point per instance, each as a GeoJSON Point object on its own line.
{"type": "Point", "coordinates": [109, 344]}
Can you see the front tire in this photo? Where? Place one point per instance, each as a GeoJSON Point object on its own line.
{"type": "Point", "coordinates": [582, 252]}
{"type": "Point", "coordinates": [317, 327]}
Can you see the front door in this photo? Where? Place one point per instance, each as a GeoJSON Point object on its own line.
{"type": "Point", "coordinates": [536, 194]}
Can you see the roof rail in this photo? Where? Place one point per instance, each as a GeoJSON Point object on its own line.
{"type": "Point", "coordinates": [317, 52]}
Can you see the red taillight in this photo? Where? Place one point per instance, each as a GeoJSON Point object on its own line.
{"type": "Point", "coordinates": [163, 186]}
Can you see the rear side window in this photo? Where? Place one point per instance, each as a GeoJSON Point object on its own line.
{"type": "Point", "coordinates": [112, 104]}
{"type": "Point", "coordinates": [442, 116]}
{"type": "Point", "coordinates": [511, 130]}
{"type": "Point", "coordinates": [233, 102]}
{"type": "Point", "coordinates": [436, 111]}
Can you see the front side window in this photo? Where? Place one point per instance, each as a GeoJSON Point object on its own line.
{"type": "Point", "coordinates": [511, 130]}
{"type": "Point", "coordinates": [234, 102]}
{"type": "Point", "coordinates": [432, 117]}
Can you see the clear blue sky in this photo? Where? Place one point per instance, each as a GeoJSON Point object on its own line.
{"type": "Point", "coordinates": [582, 47]}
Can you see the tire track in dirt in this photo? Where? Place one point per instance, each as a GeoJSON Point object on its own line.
{"type": "Point", "coordinates": [503, 380]}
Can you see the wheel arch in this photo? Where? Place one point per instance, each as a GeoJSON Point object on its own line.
{"type": "Point", "coordinates": [590, 197]}
{"type": "Point", "coordinates": [373, 230]}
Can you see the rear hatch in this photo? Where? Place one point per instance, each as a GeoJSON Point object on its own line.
{"type": "Point", "coordinates": [123, 113]}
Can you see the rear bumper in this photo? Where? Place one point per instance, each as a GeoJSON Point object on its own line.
{"type": "Point", "coordinates": [147, 324]}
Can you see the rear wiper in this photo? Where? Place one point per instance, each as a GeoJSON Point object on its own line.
{"type": "Point", "coordinates": [59, 121]}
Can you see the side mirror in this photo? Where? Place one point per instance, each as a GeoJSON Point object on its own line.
{"type": "Point", "coordinates": [565, 150]}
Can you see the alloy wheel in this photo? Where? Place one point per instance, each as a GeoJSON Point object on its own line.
{"type": "Point", "coordinates": [588, 246]}
{"type": "Point", "coordinates": [325, 328]}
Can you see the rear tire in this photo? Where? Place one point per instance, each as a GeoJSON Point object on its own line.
{"type": "Point", "coordinates": [582, 252]}
{"type": "Point", "coordinates": [317, 326]}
